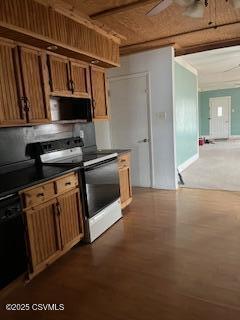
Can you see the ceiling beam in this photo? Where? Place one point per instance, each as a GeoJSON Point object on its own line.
{"type": "Point", "coordinates": [169, 40]}
{"type": "Point", "coordinates": [122, 8]}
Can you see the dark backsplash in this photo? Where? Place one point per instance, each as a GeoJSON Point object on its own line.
{"type": "Point", "coordinates": [13, 141]}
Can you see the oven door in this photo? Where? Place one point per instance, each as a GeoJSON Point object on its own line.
{"type": "Point", "coordinates": [102, 186]}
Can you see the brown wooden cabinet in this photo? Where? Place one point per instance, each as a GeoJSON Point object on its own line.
{"type": "Point", "coordinates": [99, 93]}
{"type": "Point", "coordinates": [125, 179]}
{"type": "Point", "coordinates": [59, 75]}
{"type": "Point", "coordinates": [80, 76]}
{"type": "Point", "coordinates": [11, 105]}
{"type": "Point", "coordinates": [70, 217]}
{"type": "Point", "coordinates": [68, 77]}
{"type": "Point", "coordinates": [33, 67]}
{"type": "Point", "coordinates": [54, 220]}
{"type": "Point", "coordinates": [43, 234]}
{"type": "Point", "coordinates": [22, 85]}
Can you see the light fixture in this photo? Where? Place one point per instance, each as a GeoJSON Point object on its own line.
{"type": "Point", "coordinates": [52, 48]}
{"type": "Point", "coordinates": [196, 10]}
{"type": "Point", "coordinates": [95, 61]}
{"type": "Point", "coordinates": [236, 4]}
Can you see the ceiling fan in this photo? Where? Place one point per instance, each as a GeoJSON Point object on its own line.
{"type": "Point", "coordinates": [234, 68]}
{"type": "Point", "coordinates": [194, 8]}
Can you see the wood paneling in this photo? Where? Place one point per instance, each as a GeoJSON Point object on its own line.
{"type": "Point", "coordinates": [168, 27]}
{"type": "Point", "coordinates": [70, 217]}
{"type": "Point", "coordinates": [11, 107]}
{"type": "Point", "coordinates": [59, 74]}
{"type": "Point", "coordinates": [42, 22]}
{"type": "Point", "coordinates": [33, 66]}
{"type": "Point", "coordinates": [80, 76]}
{"type": "Point", "coordinates": [99, 93]}
{"type": "Point", "coordinates": [43, 234]}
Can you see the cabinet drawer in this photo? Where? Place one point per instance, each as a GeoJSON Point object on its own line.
{"type": "Point", "coordinates": [124, 160]}
{"type": "Point", "coordinates": [66, 183]}
{"type": "Point", "coordinates": [38, 195]}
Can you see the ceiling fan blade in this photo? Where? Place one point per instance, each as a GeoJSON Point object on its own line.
{"type": "Point", "coordinates": [164, 4]}
{"type": "Point", "coordinates": [184, 3]}
{"type": "Point", "coordinates": [237, 67]}
{"type": "Point", "coordinates": [196, 10]}
{"type": "Point", "coordinates": [236, 4]}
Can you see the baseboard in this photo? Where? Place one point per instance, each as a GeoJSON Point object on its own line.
{"type": "Point", "coordinates": [187, 163]}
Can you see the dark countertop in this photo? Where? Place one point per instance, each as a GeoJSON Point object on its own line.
{"type": "Point", "coordinates": [31, 175]}
{"type": "Point", "coordinates": [14, 181]}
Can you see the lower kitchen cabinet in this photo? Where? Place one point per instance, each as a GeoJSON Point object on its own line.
{"type": "Point", "coordinates": [70, 218]}
{"type": "Point", "coordinates": [125, 179]}
{"type": "Point", "coordinates": [43, 235]}
{"type": "Point", "coordinates": [54, 226]}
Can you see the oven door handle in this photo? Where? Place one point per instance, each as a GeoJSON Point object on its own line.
{"type": "Point", "coordinates": [99, 165]}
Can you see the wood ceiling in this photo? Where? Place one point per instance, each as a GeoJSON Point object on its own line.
{"type": "Point", "coordinates": [128, 18]}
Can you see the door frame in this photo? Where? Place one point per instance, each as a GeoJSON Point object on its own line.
{"type": "Point", "coordinates": [147, 76]}
{"type": "Point", "coordinates": [229, 98]}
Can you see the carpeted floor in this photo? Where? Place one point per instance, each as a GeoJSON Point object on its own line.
{"type": "Point", "coordinates": [218, 167]}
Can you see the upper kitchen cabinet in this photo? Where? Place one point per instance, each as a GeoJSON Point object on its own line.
{"type": "Point", "coordinates": [99, 93]}
{"type": "Point", "coordinates": [80, 79]}
{"type": "Point", "coordinates": [11, 106]}
{"type": "Point", "coordinates": [33, 67]}
{"type": "Point", "coordinates": [68, 77]}
{"type": "Point", "coordinates": [59, 75]}
{"type": "Point", "coordinates": [22, 85]}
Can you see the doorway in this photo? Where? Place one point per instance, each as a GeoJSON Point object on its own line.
{"type": "Point", "coordinates": [131, 127]}
{"type": "Point", "coordinates": [219, 122]}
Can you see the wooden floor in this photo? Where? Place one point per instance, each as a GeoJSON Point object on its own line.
{"type": "Point", "coordinates": [174, 256]}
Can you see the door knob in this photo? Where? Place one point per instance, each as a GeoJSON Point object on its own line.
{"type": "Point", "coordinates": [144, 140]}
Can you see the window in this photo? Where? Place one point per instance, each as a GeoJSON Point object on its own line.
{"type": "Point", "coordinates": [219, 111]}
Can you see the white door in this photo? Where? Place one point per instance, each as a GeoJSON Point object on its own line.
{"type": "Point", "coordinates": [220, 108]}
{"type": "Point", "coordinates": [130, 123]}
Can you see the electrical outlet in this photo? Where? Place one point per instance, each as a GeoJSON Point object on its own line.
{"type": "Point", "coordinates": [81, 134]}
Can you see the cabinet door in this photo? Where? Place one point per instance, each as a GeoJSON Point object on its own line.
{"type": "Point", "coordinates": [33, 66]}
{"type": "Point", "coordinates": [59, 75]}
{"type": "Point", "coordinates": [43, 235]}
{"type": "Point", "coordinates": [70, 215]}
{"type": "Point", "coordinates": [99, 93]}
{"type": "Point", "coordinates": [80, 79]}
{"type": "Point", "coordinates": [11, 107]}
{"type": "Point", "coordinates": [125, 186]}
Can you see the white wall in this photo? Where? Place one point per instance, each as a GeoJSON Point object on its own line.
{"type": "Point", "coordinates": [102, 130]}
{"type": "Point", "coordinates": [160, 65]}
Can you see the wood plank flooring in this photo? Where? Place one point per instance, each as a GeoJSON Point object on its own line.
{"type": "Point", "coordinates": [174, 256]}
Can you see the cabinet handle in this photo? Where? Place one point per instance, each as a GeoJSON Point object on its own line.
{"type": "Point", "coordinates": [73, 86]}
{"type": "Point", "coordinates": [68, 183]}
{"type": "Point", "coordinates": [26, 103]}
{"type": "Point", "coordinates": [41, 194]}
{"type": "Point", "coordinates": [59, 209]}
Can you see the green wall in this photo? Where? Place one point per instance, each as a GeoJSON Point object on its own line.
{"type": "Point", "coordinates": [186, 106]}
{"type": "Point", "coordinates": [204, 109]}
